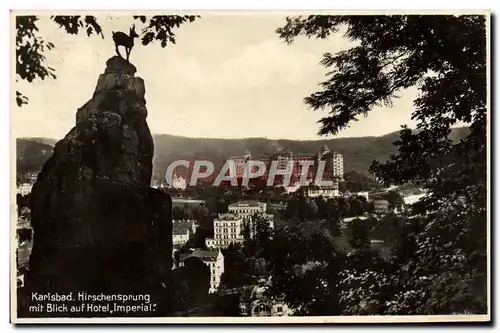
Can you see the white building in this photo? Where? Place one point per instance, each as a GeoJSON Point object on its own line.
{"type": "Point", "coordinates": [179, 237]}
{"type": "Point", "coordinates": [179, 182]}
{"type": "Point", "coordinates": [362, 194]}
{"type": "Point", "coordinates": [338, 165]}
{"type": "Point", "coordinates": [24, 188]}
{"type": "Point", "coordinates": [247, 208]}
{"type": "Point", "coordinates": [182, 230]}
{"type": "Point", "coordinates": [411, 199]}
{"type": "Point", "coordinates": [315, 191]}
{"type": "Point", "coordinates": [227, 230]}
{"type": "Point", "coordinates": [215, 262]}
{"type": "Point", "coordinates": [254, 303]}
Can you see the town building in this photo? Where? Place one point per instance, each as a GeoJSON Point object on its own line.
{"type": "Point", "coordinates": [179, 182]}
{"type": "Point", "coordinates": [183, 202]}
{"type": "Point", "coordinates": [24, 188]}
{"type": "Point", "coordinates": [254, 303]}
{"type": "Point", "coordinates": [182, 230]}
{"type": "Point", "coordinates": [238, 164]}
{"type": "Point", "coordinates": [247, 209]}
{"type": "Point", "coordinates": [362, 194]}
{"type": "Point", "coordinates": [334, 168]}
{"type": "Point", "coordinates": [380, 206]}
{"type": "Point", "coordinates": [228, 229]}
{"type": "Point", "coordinates": [338, 165]}
{"type": "Point", "coordinates": [215, 262]}
{"type": "Point", "coordinates": [315, 191]}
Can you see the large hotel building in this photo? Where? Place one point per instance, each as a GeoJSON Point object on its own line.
{"type": "Point", "coordinates": [334, 166]}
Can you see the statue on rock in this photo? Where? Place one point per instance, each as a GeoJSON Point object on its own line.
{"type": "Point", "coordinates": [122, 39]}
{"type": "Point", "coordinates": [98, 225]}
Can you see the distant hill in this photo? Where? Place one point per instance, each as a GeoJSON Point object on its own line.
{"type": "Point", "coordinates": [31, 155]}
{"type": "Point", "coordinates": [358, 152]}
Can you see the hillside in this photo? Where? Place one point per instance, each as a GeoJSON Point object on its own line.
{"type": "Point", "coordinates": [31, 155]}
{"type": "Point", "coordinates": [358, 152]}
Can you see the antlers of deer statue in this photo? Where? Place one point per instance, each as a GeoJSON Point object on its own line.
{"type": "Point", "coordinates": [125, 40]}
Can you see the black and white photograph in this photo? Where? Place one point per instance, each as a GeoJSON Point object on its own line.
{"type": "Point", "coordinates": [250, 167]}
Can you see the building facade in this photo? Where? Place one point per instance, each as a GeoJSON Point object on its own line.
{"type": "Point", "coordinates": [380, 206]}
{"type": "Point", "coordinates": [255, 303]}
{"type": "Point", "coordinates": [24, 188]}
{"type": "Point", "coordinates": [315, 191]}
{"type": "Point", "coordinates": [334, 166]}
{"type": "Point", "coordinates": [338, 165]}
{"type": "Point", "coordinates": [238, 164]}
{"type": "Point", "coordinates": [228, 229]}
{"type": "Point", "coordinates": [182, 230]}
{"type": "Point", "coordinates": [247, 209]}
{"type": "Point", "coordinates": [215, 262]}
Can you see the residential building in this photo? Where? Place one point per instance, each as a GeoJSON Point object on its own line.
{"type": "Point", "coordinates": [238, 164]}
{"type": "Point", "coordinates": [338, 165]}
{"type": "Point", "coordinates": [183, 202]}
{"type": "Point", "coordinates": [254, 303]}
{"type": "Point", "coordinates": [179, 182]}
{"type": "Point", "coordinates": [247, 208]}
{"type": "Point", "coordinates": [362, 194]}
{"type": "Point", "coordinates": [24, 188]}
{"type": "Point", "coordinates": [334, 168]}
{"type": "Point", "coordinates": [380, 206]}
{"type": "Point", "coordinates": [215, 262]}
{"type": "Point", "coordinates": [228, 229]}
{"type": "Point", "coordinates": [182, 230]}
{"type": "Point", "coordinates": [411, 199]}
{"type": "Point", "coordinates": [315, 191]}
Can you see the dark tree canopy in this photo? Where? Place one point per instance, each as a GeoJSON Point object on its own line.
{"type": "Point", "coordinates": [30, 47]}
{"type": "Point", "coordinates": [444, 56]}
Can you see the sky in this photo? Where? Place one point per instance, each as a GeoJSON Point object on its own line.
{"type": "Point", "coordinates": [228, 76]}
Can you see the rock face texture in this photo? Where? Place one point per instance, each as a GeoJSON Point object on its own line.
{"type": "Point", "coordinates": [98, 225]}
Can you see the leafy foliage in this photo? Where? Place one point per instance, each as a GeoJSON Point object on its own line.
{"type": "Point", "coordinates": [29, 54]}
{"type": "Point", "coordinates": [356, 182]}
{"type": "Point", "coordinates": [444, 56]}
{"type": "Point", "coordinates": [160, 27]}
{"type": "Point", "coordinates": [73, 24]}
{"type": "Point", "coordinates": [30, 47]}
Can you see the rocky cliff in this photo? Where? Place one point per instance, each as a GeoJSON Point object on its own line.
{"type": "Point", "coordinates": [98, 225]}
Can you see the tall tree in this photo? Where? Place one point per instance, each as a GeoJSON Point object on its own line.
{"type": "Point", "coordinates": [444, 56]}
{"type": "Point", "coordinates": [304, 266]}
{"type": "Point", "coordinates": [31, 48]}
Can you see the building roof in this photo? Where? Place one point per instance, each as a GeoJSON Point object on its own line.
{"type": "Point", "coordinates": [254, 203]}
{"type": "Point", "coordinates": [322, 187]}
{"type": "Point", "coordinates": [183, 223]}
{"type": "Point", "coordinates": [227, 217]}
{"type": "Point", "coordinates": [182, 227]}
{"type": "Point", "coordinates": [187, 201]}
{"type": "Point", "coordinates": [179, 231]}
{"type": "Point", "coordinates": [381, 202]}
{"type": "Point", "coordinates": [205, 255]}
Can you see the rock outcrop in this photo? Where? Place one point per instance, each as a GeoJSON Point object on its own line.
{"type": "Point", "coordinates": [98, 225]}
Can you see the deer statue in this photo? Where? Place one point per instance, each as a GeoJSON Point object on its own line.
{"type": "Point", "coordinates": [125, 40]}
